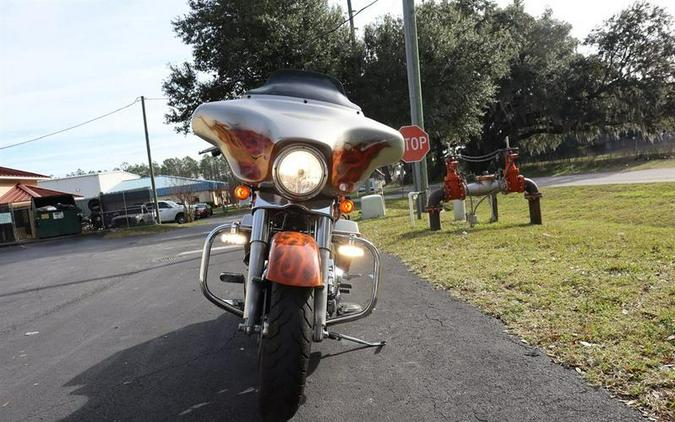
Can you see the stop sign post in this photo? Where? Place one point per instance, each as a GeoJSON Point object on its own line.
{"type": "Point", "coordinates": [412, 60]}
{"type": "Point", "coordinates": [416, 143]}
{"type": "Point", "coordinates": [416, 148]}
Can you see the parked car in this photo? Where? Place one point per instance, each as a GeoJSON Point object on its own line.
{"type": "Point", "coordinates": [202, 210]}
{"type": "Point", "coordinates": [135, 215]}
{"type": "Point", "coordinates": [169, 211]}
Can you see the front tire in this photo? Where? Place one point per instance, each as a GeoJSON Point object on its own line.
{"type": "Point", "coordinates": [284, 354]}
{"type": "Point", "coordinates": [180, 218]}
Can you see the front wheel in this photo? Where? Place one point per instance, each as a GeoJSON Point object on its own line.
{"type": "Point", "coordinates": [180, 218]}
{"type": "Point", "coordinates": [285, 350]}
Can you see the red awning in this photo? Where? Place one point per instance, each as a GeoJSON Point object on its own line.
{"type": "Point", "coordinates": [24, 193]}
{"type": "Point", "coordinates": [8, 173]}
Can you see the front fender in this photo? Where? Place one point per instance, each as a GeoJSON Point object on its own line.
{"type": "Point", "coordinates": [294, 260]}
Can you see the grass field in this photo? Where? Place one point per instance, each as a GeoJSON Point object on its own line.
{"type": "Point", "coordinates": [594, 286]}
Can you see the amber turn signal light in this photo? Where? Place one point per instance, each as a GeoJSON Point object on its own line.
{"type": "Point", "coordinates": [242, 192]}
{"type": "Point", "coordinates": [346, 206]}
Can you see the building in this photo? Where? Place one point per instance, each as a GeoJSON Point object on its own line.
{"type": "Point", "coordinates": [180, 189]}
{"type": "Point", "coordinates": [10, 177]}
{"type": "Point", "coordinates": [88, 185]}
{"type": "Point", "coordinates": [28, 211]}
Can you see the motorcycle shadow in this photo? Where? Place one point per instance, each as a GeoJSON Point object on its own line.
{"type": "Point", "coordinates": [200, 372]}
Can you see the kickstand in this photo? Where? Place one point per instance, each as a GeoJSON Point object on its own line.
{"type": "Point", "coordinates": [338, 337]}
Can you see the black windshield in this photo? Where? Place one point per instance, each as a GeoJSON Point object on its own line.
{"type": "Point", "coordinates": [307, 85]}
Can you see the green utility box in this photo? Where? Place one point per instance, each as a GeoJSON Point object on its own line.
{"type": "Point", "coordinates": [57, 222]}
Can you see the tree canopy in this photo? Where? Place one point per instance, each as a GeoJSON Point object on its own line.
{"type": "Point", "coordinates": [208, 167]}
{"type": "Point", "coordinates": [487, 72]}
{"type": "Point", "coordinates": [462, 53]}
{"type": "Point", "coordinates": [634, 70]}
{"type": "Point", "coordinates": [237, 44]}
{"type": "Point", "coordinates": [553, 92]}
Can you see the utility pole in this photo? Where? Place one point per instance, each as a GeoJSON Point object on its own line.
{"type": "Point", "coordinates": [355, 68]}
{"type": "Point", "coordinates": [351, 22]}
{"type": "Point", "coordinates": [412, 58]}
{"type": "Point", "coordinates": [152, 172]}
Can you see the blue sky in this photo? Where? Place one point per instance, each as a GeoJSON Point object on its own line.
{"type": "Point", "coordinates": [62, 62]}
{"type": "Point", "coordinates": [66, 61]}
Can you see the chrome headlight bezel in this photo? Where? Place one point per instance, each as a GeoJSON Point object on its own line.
{"type": "Point", "coordinates": [283, 189]}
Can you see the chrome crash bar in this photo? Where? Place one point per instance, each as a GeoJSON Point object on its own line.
{"type": "Point", "coordinates": [376, 280]}
{"type": "Point", "coordinates": [227, 305]}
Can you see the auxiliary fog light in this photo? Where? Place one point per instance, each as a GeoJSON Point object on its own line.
{"type": "Point", "coordinates": [233, 237]}
{"type": "Point", "coordinates": [350, 250]}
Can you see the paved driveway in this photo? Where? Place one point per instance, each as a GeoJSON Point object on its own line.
{"type": "Point", "coordinates": [102, 330]}
{"type": "Point", "coordinates": [610, 178]}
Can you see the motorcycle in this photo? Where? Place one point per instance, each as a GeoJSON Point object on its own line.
{"type": "Point", "coordinates": [95, 220]}
{"type": "Point", "coordinates": [300, 147]}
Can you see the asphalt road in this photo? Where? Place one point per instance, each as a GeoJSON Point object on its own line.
{"type": "Point", "coordinates": [103, 330]}
{"type": "Point", "coordinates": [609, 178]}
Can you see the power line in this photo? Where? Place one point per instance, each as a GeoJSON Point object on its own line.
{"type": "Point", "coordinates": [362, 9]}
{"type": "Point", "coordinates": [71, 127]}
{"type": "Point", "coordinates": [344, 21]}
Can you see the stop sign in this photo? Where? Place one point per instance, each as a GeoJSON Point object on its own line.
{"type": "Point", "coordinates": [416, 143]}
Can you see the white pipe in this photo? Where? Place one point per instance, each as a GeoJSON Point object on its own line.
{"type": "Point", "coordinates": [458, 211]}
{"type": "Point", "coordinates": [412, 197]}
{"type": "Point", "coordinates": [485, 187]}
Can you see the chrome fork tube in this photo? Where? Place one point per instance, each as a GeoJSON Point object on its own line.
{"type": "Point", "coordinates": [256, 262]}
{"type": "Point", "coordinates": [324, 228]}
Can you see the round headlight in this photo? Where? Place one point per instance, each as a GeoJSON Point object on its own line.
{"type": "Point", "coordinates": [300, 172]}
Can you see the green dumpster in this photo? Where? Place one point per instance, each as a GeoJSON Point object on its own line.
{"type": "Point", "coordinates": [50, 222]}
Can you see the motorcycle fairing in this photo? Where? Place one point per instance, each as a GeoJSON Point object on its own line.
{"type": "Point", "coordinates": [248, 152]}
{"type": "Point", "coordinates": [251, 130]}
{"type": "Point", "coordinates": [294, 260]}
{"type": "Point", "coordinates": [350, 163]}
